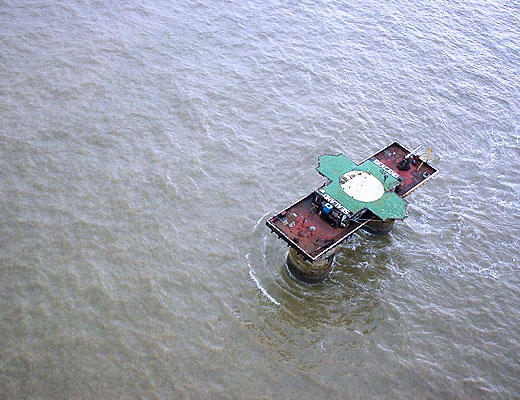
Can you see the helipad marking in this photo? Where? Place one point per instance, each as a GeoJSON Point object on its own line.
{"type": "Point", "coordinates": [362, 186]}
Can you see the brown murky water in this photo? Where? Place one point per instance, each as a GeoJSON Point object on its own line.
{"type": "Point", "coordinates": [143, 146]}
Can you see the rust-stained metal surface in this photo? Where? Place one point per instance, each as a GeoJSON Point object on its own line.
{"type": "Point", "coordinates": [412, 178]}
{"type": "Point", "coordinates": [301, 226]}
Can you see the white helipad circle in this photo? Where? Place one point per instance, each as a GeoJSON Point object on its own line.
{"type": "Point", "coordinates": [362, 186]}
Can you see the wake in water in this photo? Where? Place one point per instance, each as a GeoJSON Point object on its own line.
{"type": "Point", "coordinates": [258, 284]}
{"type": "Point", "coordinates": [252, 274]}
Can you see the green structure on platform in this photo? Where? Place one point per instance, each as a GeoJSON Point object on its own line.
{"type": "Point", "coordinates": [364, 186]}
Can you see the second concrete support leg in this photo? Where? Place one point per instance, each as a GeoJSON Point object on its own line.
{"type": "Point", "coordinates": [379, 227]}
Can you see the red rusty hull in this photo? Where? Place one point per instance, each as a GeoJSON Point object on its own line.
{"type": "Point", "coordinates": [304, 230]}
{"type": "Point", "coordinates": [294, 226]}
{"type": "Point", "coordinates": [412, 178]}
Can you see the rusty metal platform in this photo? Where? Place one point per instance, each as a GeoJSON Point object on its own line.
{"type": "Point", "coordinates": [302, 227]}
{"type": "Point", "coordinates": [413, 178]}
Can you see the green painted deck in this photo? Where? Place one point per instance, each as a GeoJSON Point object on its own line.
{"type": "Point", "coordinates": [388, 206]}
